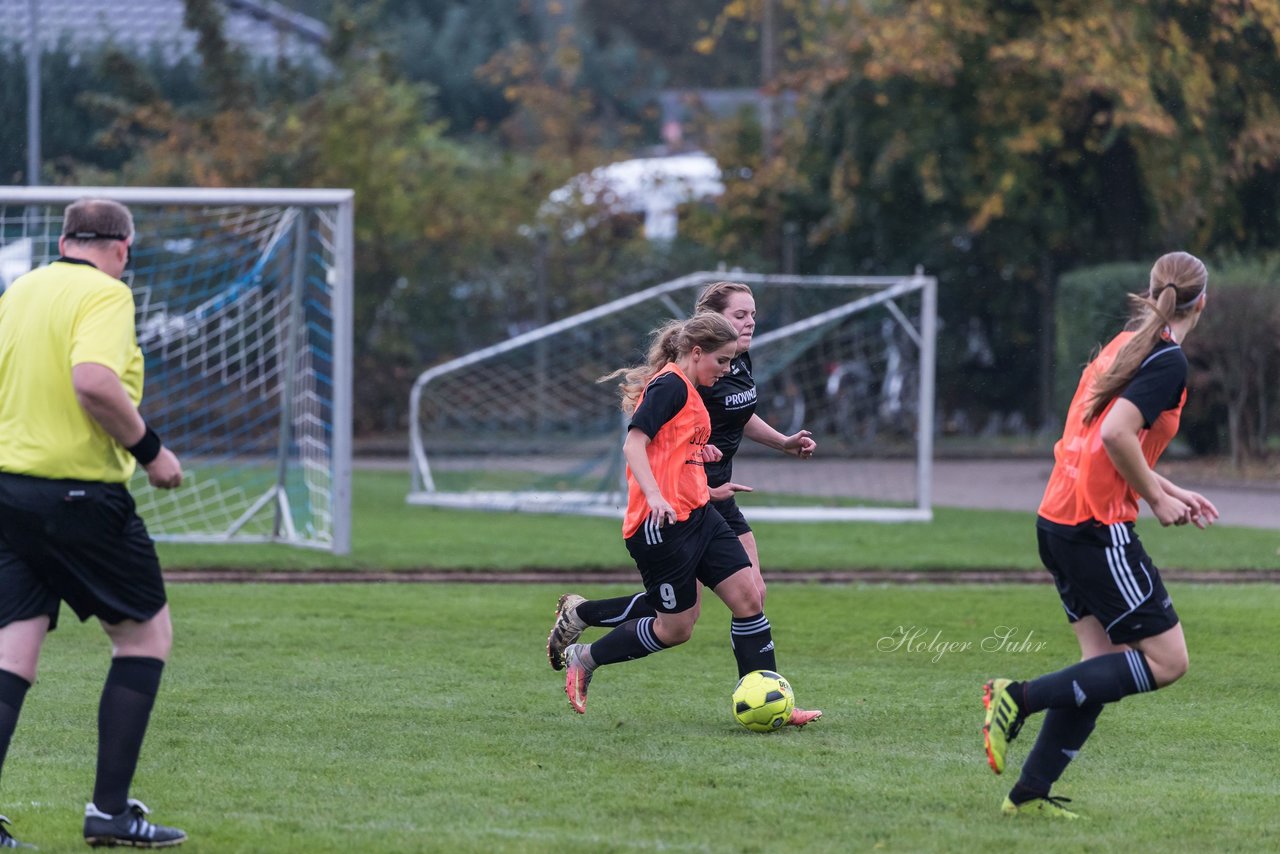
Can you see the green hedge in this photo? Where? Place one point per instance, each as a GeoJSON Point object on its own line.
{"type": "Point", "coordinates": [1091, 308]}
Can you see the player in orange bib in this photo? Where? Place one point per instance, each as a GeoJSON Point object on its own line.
{"type": "Point", "coordinates": [675, 538]}
{"type": "Point", "coordinates": [731, 405]}
{"type": "Point", "coordinates": [1125, 411]}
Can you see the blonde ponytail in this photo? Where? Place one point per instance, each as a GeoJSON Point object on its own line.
{"type": "Point", "coordinates": [673, 339]}
{"type": "Point", "coordinates": [1177, 285]}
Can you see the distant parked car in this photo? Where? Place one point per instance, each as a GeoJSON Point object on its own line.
{"type": "Point", "coordinates": [652, 186]}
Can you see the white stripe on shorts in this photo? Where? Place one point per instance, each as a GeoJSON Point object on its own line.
{"type": "Point", "coordinates": [652, 532]}
{"type": "Point", "coordinates": [1120, 569]}
{"type": "Point", "coordinates": [1122, 572]}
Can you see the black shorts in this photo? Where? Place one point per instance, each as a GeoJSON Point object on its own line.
{"type": "Point", "coordinates": [1103, 571]}
{"type": "Point", "coordinates": [732, 516]}
{"type": "Point", "coordinates": [674, 558]}
{"type": "Point", "coordinates": [79, 542]}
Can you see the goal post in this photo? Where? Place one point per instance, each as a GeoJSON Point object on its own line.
{"type": "Point", "coordinates": [244, 316]}
{"type": "Point", "coordinates": [523, 424]}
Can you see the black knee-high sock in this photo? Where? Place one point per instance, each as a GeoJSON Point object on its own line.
{"type": "Point", "coordinates": [616, 611]}
{"type": "Point", "coordinates": [752, 641]}
{"type": "Point", "coordinates": [1104, 679]}
{"type": "Point", "coordinates": [13, 690]}
{"type": "Point", "coordinates": [632, 639]}
{"type": "Point", "coordinates": [123, 714]}
{"type": "Point", "coordinates": [1064, 732]}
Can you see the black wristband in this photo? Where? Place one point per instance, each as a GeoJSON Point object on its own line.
{"type": "Point", "coordinates": [147, 448]}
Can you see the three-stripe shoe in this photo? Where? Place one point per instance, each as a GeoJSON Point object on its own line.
{"type": "Point", "coordinates": [1049, 806]}
{"type": "Point", "coordinates": [800, 717]}
{"type": "Point", "coordinates": [6, 838]}
{"type": "Point", "coordinates": [130, 828]}
{"type": "Point", "coordinates": [567, 629]}
{"type": "Point", "coordinates": [1003, 721]}
{"type": "Point", "coordinates": [578, 676]}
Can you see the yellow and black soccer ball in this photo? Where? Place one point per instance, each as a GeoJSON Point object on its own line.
{"type": "Point", "coordinates": [763, 701]}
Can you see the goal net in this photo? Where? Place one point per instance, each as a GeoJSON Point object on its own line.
{"type": "Point", "coordinates": [244, 319]}
{"type": "Point", "coordinates": [523, 425]}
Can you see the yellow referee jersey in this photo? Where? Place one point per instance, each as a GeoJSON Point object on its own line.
{"type": "Point", "coordinates": [64, 314]}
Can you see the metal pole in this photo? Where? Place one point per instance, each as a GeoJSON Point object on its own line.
{"type": "Point", "coordinates": [343, 308]}
{"type": "Point", "coordinates": [292, 345]}
{"type": "Point", "coordinates": [542, 316]}
{"type": "Point", "coordinates": [34, 51]}
{"type": "Point", "coordinates": [768, 60]}
{"type": "Point", "coordinates": [928, 363]}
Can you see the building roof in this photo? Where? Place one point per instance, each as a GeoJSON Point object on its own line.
{"type": "Point", "coordinates": [264, 29]}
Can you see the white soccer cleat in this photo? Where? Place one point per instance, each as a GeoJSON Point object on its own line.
{"type": "Point", "coordinates": [567, 629]}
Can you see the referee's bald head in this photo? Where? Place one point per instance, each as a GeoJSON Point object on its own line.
{"type": "Point", "coordinates": [97, 219]}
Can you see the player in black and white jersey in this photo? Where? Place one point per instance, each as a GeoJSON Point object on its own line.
{"type": "Point", "coordinates": [731, 403]}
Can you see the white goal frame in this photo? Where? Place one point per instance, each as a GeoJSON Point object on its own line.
{"type": "Point", "coordinates": [880, 291]}
{"type": "Point", "coordinates": [310, 267]}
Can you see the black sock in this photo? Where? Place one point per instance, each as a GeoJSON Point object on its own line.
{"type": "Point", "coordinates": [123, 714]}
{"type": "Point", "coordinates": [1064, 732]}
{"type": "Point", "coordinates": [632, 639]}
{"type": "Point", "coordinates": [614, 612]}
{"type": "Point", "coordinates": [1104, 679]}
{"type": "Point", "coordinates": [752, 641]}
{"type": "Point", "coordinates": [13, 690]}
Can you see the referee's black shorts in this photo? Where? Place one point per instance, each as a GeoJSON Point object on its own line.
{"type": "Point", "coordinates": [672, 559]}
{"type": "Point", "coordinates": [1103, 571]}
{"type": "Point", "coordinates": [80, 542]}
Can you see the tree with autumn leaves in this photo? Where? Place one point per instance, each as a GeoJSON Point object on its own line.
{"type": "Point", "coordinates": [1003, 143]}
{"type": "Point", "coordinates": [446, 261]}
{"type": "Point", "coordinates": [999, 143]}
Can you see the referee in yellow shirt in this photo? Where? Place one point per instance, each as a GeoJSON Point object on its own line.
{"type": "Point", "coordinates": [70, 437]}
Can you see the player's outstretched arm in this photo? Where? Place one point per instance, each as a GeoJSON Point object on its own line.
{"type": "Point", "coordinates": [728, 490]}
{"type": "Point", "coordinates": [799, 444]}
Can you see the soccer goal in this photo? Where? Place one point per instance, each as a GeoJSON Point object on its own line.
{"type": "Point", "coordinates": [244, 318]}
{"type": "Point", "coordinates": [523, 425]}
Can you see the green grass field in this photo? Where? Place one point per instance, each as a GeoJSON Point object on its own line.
{"type": "Point", "coordinates": [391, 535]}
{"type": "Point", "coordinates": [424, 718]}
